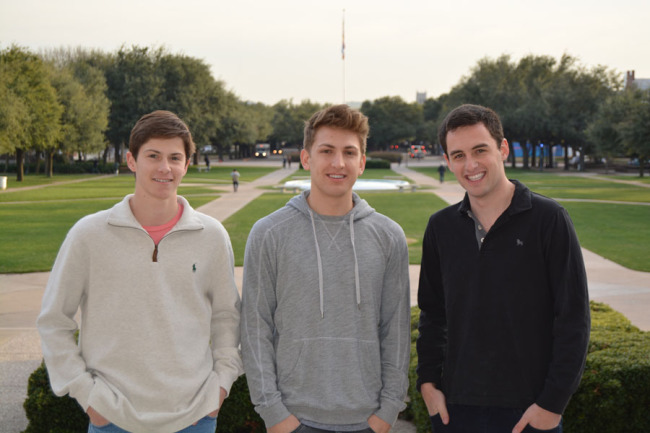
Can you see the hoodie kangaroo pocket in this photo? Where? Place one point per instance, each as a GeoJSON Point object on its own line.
{"type": "Point", "coordinates": [329, 373]}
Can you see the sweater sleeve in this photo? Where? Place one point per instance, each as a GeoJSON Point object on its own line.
{"type": "Point", "coordinates": [257, 327]}
{"type": "Point", "coordinates": [56, 324]}
{"type": "Point", "coordinates": [432, 338]}
{"type": "Point", "coordinates": [394, 331]}
{"type": "Point", "coordinates": [224, 329]}
{"type": "Point", "coordinates": [571, 324]}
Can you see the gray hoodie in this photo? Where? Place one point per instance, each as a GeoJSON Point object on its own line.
{"type": "Point", "coordinates": [326, 316]}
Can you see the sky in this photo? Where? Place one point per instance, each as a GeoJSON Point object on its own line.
{"type": "Point", "coordinates": [270, 50]}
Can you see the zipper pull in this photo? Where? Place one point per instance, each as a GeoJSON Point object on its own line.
{"type": "Point", "coordinates": [155, 254]}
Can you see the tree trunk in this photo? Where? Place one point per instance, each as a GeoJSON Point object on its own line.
{"type": "Point", "coordinates": [20, 165]}
{"type": "Point", "coordinates": [37, 164]}
{"type": "Point", "coordinates": [50, 163]}
{"type": "Point", "coordinates": [512, 155]}
{"type": "Point", "coordinates": [566, 157]}
{"type": "Point", "coordinates": [533, 157]}
{"type": "Point", "coordinates": [524, 149]}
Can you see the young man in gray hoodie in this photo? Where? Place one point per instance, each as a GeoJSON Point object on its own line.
{"type": "Point", "coordinates": [325, 309]}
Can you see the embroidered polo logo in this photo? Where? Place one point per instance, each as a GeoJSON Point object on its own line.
{"type": "Point", "coordinates": [194, 267]}
{"type": "Point", "coordinates": [520, 243]}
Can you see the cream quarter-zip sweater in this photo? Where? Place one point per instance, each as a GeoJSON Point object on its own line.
{"type": "Point", "coordinates": [158, 339]}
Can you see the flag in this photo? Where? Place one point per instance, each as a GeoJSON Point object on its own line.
{"type": "Point", "coordinates": [343, 39]}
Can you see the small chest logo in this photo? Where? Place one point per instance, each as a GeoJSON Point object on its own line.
{"type": "Point", "coordinates": [520, 243]}
{"type": "Point", "coordinates": [194, 267]}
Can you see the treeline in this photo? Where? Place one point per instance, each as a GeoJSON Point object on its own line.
{"type": "Point", "coordinates": [84, 102]}
{"type": "Point", "coordinates": [541, 101]}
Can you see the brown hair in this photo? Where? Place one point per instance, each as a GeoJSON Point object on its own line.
{"type": "Point", "coordinates": [337, 116]}
{"type": "Point", "coordinates": [160, 124]}
{"type": "Point", "coordinates": [468, 115]}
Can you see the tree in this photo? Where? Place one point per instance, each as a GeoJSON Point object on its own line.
{"type": "Point", "coordinates": [392, 121]}
{"type": "Point", "coordinates": [635, 128]}
{"type": "Point", "coordinates": [27, 84]}
{"type": "Point", "coordinates": [288, 121]}
{"type": "Point", "coordinates": [134, 87]}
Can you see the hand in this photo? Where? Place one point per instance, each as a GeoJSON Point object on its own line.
{"type": "Point", "coordinates": [287, 425]}
{"type": "Point", "coordinates": [538, 418]}
{"type": "Point", "coordinates": [378, 425]}
{"type": "Point", "coordinates": [214, 413]}
{"type": "Point", "coordinates": [95, 418]}
{"type": "Point", "coordinates": [435, 401]}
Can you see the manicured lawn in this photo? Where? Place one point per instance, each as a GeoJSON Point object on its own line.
{"type": "Point", "coordinates": [41, 179]}
{"type": "Point", "coordinates": [409, 210]}
{"type": "Point", "coordinates": [618, 232]}
{"type": "Point", "coordinates": [36, 223]}
{"type": "Point", "coordinates": [33, 232]}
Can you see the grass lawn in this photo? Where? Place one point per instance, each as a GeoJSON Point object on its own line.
{"type": "Point", "coordinates": [35, 224]}
{"type": "Point", "coordinates": [41, 179]}
{"type": "Point", "coordinates": [409, 210]}
{"type": "Point", "coordinates": [620, 233]}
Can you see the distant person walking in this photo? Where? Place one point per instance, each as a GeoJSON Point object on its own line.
{"type": "Point", "coordinates": [207, 162]}
{"type": "Point", "coordinates": [235, 179]}
{"type": "Point", "coordinates": [441, 171]}
{"type": "Point", "coordinates": [284, 162]}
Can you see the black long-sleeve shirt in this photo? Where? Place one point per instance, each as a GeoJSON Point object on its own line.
{"type": "Point", "coordinates": [506, 325]}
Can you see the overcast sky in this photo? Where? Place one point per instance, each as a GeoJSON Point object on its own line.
{"type": "Point", "coordinates": [266, 50]}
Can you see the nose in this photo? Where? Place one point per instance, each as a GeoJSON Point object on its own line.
{"type": "Point", "coordinates": [337, 160]}
{"type": "Point", "coordinates": [164, 166]}
{"type": "Point", "coordinates": [470, 162]}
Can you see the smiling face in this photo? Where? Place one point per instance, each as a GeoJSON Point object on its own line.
{"type": "Point", "coordinates": [335, 161]}
{"type": "Point", "coordinates": [476, 160]}
{"type": "Point", "coordinates": [159, 168]}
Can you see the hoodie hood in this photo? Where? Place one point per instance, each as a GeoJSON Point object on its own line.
{"type": "Point", "coordinates": [360, 210]}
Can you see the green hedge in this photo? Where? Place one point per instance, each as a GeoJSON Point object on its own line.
{"type": "Point", "coordinates": [614, 394]}
{"type": "Point", "coordinates": [377, 163]}
{"type": "Point", "coordinates": [613, 397]}
{"type": "Point", "coordinates": [48, 413]}
{"type": "Point", "coordinates": [77, 167]}
{"type": "Point", "coordinates": [388, 156]}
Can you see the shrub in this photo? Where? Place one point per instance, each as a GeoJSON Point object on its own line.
{"type": "Point", "coordinates": [48, 413]}
{"type": "Point", "coordinates": [388, 156]}
{"type": "Point", "coordinates": [377, 163]}
{"type": "Point", "coordinates": [614, 394]}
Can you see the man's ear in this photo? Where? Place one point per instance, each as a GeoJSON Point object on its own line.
{"type": "Point", "coordinates": [504, 149]}
{"type": "Point", "coordinates": [130, 162]}
{"type": "Point", "coordinates": [304, 159]}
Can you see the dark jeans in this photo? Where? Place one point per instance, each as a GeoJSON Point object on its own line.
{"type": "Point", "coordinates": [204, 425]}
{"type": "Point", "coordinates": [482, 419]}
{"type": "Point", "coordinates": [305, 429]}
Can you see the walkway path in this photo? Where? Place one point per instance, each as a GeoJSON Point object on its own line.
{"type": "Point", "coordinates": [20, 294]}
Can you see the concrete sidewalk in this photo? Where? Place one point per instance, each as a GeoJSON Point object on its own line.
{"type": "Point", "coordinates": [20, 294]}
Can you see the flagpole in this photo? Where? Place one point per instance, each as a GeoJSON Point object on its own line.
{"type": "Point", "coordinates": [343, 53]}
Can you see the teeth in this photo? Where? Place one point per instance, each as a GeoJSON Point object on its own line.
{"type": "Point", "coordinates": [337, 176]}
{"type": "Point", "coordinates": [476, 176]}
{"type": "Point", "coordinates": [163, 180]}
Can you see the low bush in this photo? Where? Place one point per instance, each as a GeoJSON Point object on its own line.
{"type": "Point", "coordinates": [48, 413]}
{"type": "Point", "coordinates": [613, 397]}
{"type": "Point", "coordinates": [377, 163]}
{"type": "Point", "coordinates": [614, 394]}
{"type": "Point", "coordinates": [388, 156]}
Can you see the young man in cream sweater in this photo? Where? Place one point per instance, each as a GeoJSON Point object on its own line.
{"type": "Point", "coordinates": [159, 335]}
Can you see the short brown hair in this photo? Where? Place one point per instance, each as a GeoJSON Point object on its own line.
{"type": "Point", "coordinates": [469, 115]}
{"type": "Point", "coordinates": [337, 116]}
{"type": "Point", "coordinates": [160, 124]}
